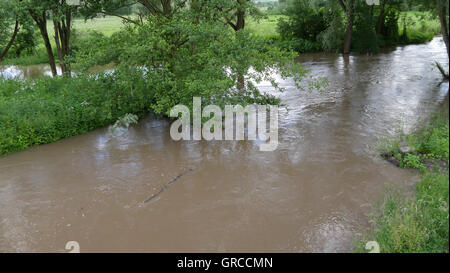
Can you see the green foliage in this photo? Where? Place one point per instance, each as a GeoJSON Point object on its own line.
{"type": "Point", "coordinates": [364, 38]}
{"type": "Point", "coordinates": [304, 20]}
{"type": "Point", "coordinates": [159, 63]}
{"type": "Point", "coordinates": [420, 224]}
{"type": "Point", "coordinates": [265, 27]}
{"type": "Point", "coordinates": [46, 110]}
{"type": "Point", "coordinates": [429, 143]}
{"type": "Point", "coordinates": [38, 57]}
{"type": "Point", "coordinates": [303, 23]}
{"type": "Point", "coordinates": [433, 142]}
{"type": "Point", "coordinates": [25, 43]}
{"type": "Point", "coordinates": [193, 54]}
{"type": "Point", "coordinates": [123, 122]}
{"type": "Point", "coordinates": [299, 45]}
{"type": "Point", "coordinates": [90, 48]}
{"type": "Point", "coordinates": [332, 38]}
{"type": "Point", "coordinates": [7, 23]}
{"type": "Point", "coordinates": [417, 37]}
{"type": "Point", "coordinates": [411, 161]}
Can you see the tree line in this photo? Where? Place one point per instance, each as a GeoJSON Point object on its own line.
{"type": "Point", "coordinates": [346, 25]}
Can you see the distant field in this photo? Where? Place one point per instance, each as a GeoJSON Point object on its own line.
{"type": "Point", "coordinates": [107, 25]}
{"type": "Point", "coordinates": [266, 27]}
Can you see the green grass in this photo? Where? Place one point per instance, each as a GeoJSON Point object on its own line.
{"type": "Point", "coordinates": [421, 223]}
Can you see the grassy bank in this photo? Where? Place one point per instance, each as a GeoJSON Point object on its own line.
{"type": "Point", "coordinates": [419, 223]}
{"type": "Point", "coordinates": [46, 110]}
{"type": "Point", "coordinates": [107, 26]}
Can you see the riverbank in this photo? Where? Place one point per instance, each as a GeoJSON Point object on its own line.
{"type": "Point", "coordinates": [91, 188]}
{"type": "Point", "coordinates": [420, 223]}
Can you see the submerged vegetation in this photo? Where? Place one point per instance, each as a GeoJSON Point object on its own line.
{"type": "Point", "coordinates": [419, 223]}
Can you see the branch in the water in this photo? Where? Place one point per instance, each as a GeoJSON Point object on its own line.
{"type": "Point", "coordinates": [163, 188]}
{"type": "Point", "coordinates": [441, 69]}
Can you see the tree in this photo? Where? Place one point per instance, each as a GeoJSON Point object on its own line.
{"type": "Point", "coordinates": [443, 19]}
{"type": "Point", "coordinates": [194, 52]}
{"type": "Point", "coordinates": [305, 20]}
{"type": "Point", "coordinates": [440, 9]}
{"type": "Point", "coordinates": [5, 20]}
{"type": "Point", "coordinates": [62, 23]}
{"type": "Point", "coordinates": [39, 11]}
{"type": "Point", "coordinates": [110, 7]}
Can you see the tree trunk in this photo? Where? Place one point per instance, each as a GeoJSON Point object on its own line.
{"type": "Point", "coordinates": [240, 23]}
{"type": "Point", "coordinates": [443, 19]}
{"type": "Point", "coordinates": [167, 6]}
{"type": "Point", "coordinates": [41, 21]}
{"type": "Point", "coordinates": [155, 9]}
{"type": "Point", "coordinates": [381, 18]}
{"type": "Point", "coordinates": [11, 41]}
{"type": "Point", "coordinates": [240, 17]}
{"type": "Point", "coordinates": [62, 41]}
{"type": "Point", "coordinates": [349, 31]}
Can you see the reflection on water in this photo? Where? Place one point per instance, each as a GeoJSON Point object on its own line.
{"type": "Point", "coordinates": [10, 72]}
{"type": "Point", "coordinates": [310, 195]}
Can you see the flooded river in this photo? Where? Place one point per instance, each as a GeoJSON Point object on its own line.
{"type": "Point", "coordinates": [311, 195]}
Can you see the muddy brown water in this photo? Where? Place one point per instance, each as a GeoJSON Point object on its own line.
{"type": "Point", "coordinates": [311, 195]}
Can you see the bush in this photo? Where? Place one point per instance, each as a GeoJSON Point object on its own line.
{"type": "Point", "coordinates": [25, 43]}
{"type": "Point", "coordinates": [417, 37]}
{"type": "Point", "coordinates": [300, 31]}
{"type": "Point", "coordinates": [304, 21]}
{"type": "Point", "coordinates": [299, 45]}
{"type": "Point", "coordinates": [49, 109]}
{"type": "Point", "coordinates": [364, 38]}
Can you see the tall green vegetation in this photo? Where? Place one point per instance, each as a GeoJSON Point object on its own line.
{"type": "Point", "coordinates": [49, 109]}
{"type": "Point", "coordinates": [60, 12]}
{"type": "Point", "coordinates": [419, 223]}
{"type": "Point", "coordinates": [353, 25]}
{"type": "Point", "coordinates": [17, 33]}
{"type": "Point", "coordinates": [194, 53]}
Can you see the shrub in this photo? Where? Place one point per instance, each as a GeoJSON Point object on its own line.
{"type": "Point", "coordinates": [46, 110]}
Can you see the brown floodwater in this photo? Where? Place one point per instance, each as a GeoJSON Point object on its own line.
{"type": "Point", "coordinates": [312, 194]}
